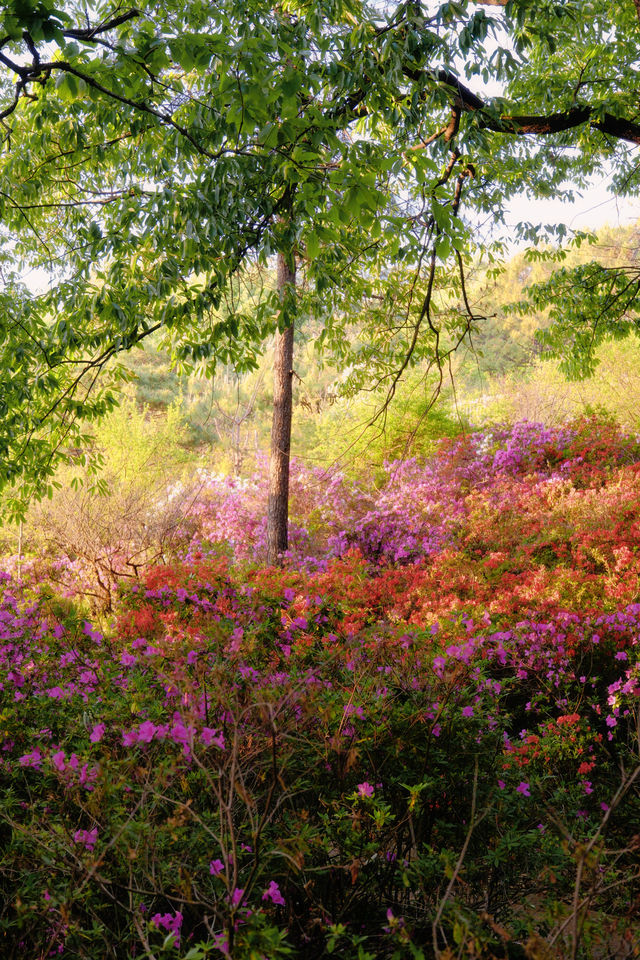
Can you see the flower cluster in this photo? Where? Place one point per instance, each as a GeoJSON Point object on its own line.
{"type": "Point", "coordinates": [248, 760]}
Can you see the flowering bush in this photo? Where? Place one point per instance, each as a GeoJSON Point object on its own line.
{"type": "Point", "coordinates": [420, 741]}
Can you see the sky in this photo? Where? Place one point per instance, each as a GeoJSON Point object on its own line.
{"type": "Point", "coordinates": [594, 209]}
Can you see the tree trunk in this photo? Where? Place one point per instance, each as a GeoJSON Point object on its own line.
{"type": "Point", "coordinates": [278, 507]}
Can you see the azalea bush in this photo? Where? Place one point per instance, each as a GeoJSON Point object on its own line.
{"type": "Point", "coordinates": [416, 748]}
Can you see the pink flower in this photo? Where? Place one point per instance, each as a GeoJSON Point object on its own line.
{"type": "Point", "coordinates": [467, 711]}
{"type": "Point", "coordinates": [210, 736]}
{"type": "Point", "coordinates": [32, 759]}
{"type": "Point", "coordinates": [523, 788]}
{"type": "Point", "coordinates": [58, 761]}
{"type": "Point", "coordinates": [87, 838]}
{"type": "Point", "coordinates": [236, 896]}
{"type": "Point", "coordinates": [216, 867]}
{"type": "Point", "coordinates": [365, 789]}
{"type": "Point", "coordinates": [97, 733]}
{"type": "Point", "coordinates": [221, 943]}
{"type": "Point", "coordinates": [169, 921]}
{"type": "Point", "coordinates": [273, 894]}
{"type": "Point", "coordinates": [146, 732]}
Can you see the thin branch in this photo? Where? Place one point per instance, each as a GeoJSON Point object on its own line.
{"type": "Point", "coordinates": [473, 823]}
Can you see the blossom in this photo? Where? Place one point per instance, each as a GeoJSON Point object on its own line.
{"type": "Point", "coordinates": [146, 731]}
{"type": "Point", "coordinates": [365, 789]}
{"type": "Point", "coordinates": [33, 759]}
{"type": "Point", "coordinates": [237, 896]}
{"type": "Point", "coordinates": [210, 736]}
{"type": "Point", "coordinates": [87, 838]}
{"type": "Point", "coordinates": [523, 788]}
{"type": "Point", "coordinates": [216, 867]}
{"type": "Point", "coordinates": [170, 922]}
{"type": "Point", "coordinates": [97, 733]}
{"type": "Point", "coordinates": [273, 893]}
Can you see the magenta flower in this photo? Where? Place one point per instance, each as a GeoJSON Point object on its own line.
{"type": "Point", "coordinates": [523, 788]}
{"type": "Point", "coordinates": [365, 789]}
{"type": "Point", "coordinates": [33, 759]}
{"type": "Point", "coordinates": [236, 896]}
{"type": "Point", "coordinates": [273, 894]}
{"type": "Point", "coordinates": [97, 733]}
{"type": "Point", "coordinates": [467, 711]}
{"type": "Point", "coordinates": [87, 838]}
{"type": "Point", "coordinates": [169, 921]}
{"type": "Point", "coordinates": [216, 867]}
{"type": "Point", "coordinates": [146, 732]}
{"type": "Point", "coordinates": [210, 736]}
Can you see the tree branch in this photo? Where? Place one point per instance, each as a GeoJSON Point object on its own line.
{"type": "Point", "coordinates": [466, 100]}
{"type": "Point", "coordinates": [90, 32]}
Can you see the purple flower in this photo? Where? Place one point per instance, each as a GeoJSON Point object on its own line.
{"type": "Point", "coordinates": [146, 732]}
{"type": "Point", "coordinates": [169, 921]}
{"type": "Point", "coordinates": [523, 788]}
{"type": "Point", "coordinates": [33, 759]}
{"type": "Point", "coordinates": [236, 896]}
{"type": "Point", "coordinates": [365, 789]}
{"type": "Point", "coordinates": [87, 838]}
{"type": "Point", "coordinates": [216, 867]}
{"type": "Point", "coordinates": [97, 733]}
{"type": "Point", "coordinates": [211, 736]}
{"type": "Point", "coordinates": [467, 711]}
{"type": "Point", "coordinates": [273, 894]}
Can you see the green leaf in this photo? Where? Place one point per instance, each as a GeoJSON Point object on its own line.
{"type": "Point", "coordinates": [312, 244]}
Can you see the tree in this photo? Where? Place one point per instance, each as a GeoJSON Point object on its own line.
{"type": "Point", "coordinates": [154, 152]}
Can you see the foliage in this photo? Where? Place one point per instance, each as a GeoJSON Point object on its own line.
{"type": "Point", "coordinates": [409, 749]}
{"type": "Point", "coordinates": [346, 135]}
{"type": "Point", "coordinates": [105, 519]}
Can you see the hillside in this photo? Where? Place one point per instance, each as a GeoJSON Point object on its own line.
{"type": "Point", "coordinates": [498, 375]}
{"type": "Point", "coordinates": [420, 735]}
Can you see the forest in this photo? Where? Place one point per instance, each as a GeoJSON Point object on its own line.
{"type": "Point", "coordinates": [319, 481]}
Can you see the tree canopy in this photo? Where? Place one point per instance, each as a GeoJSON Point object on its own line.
{"type": "Point", "coordinates": [150, 153]}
